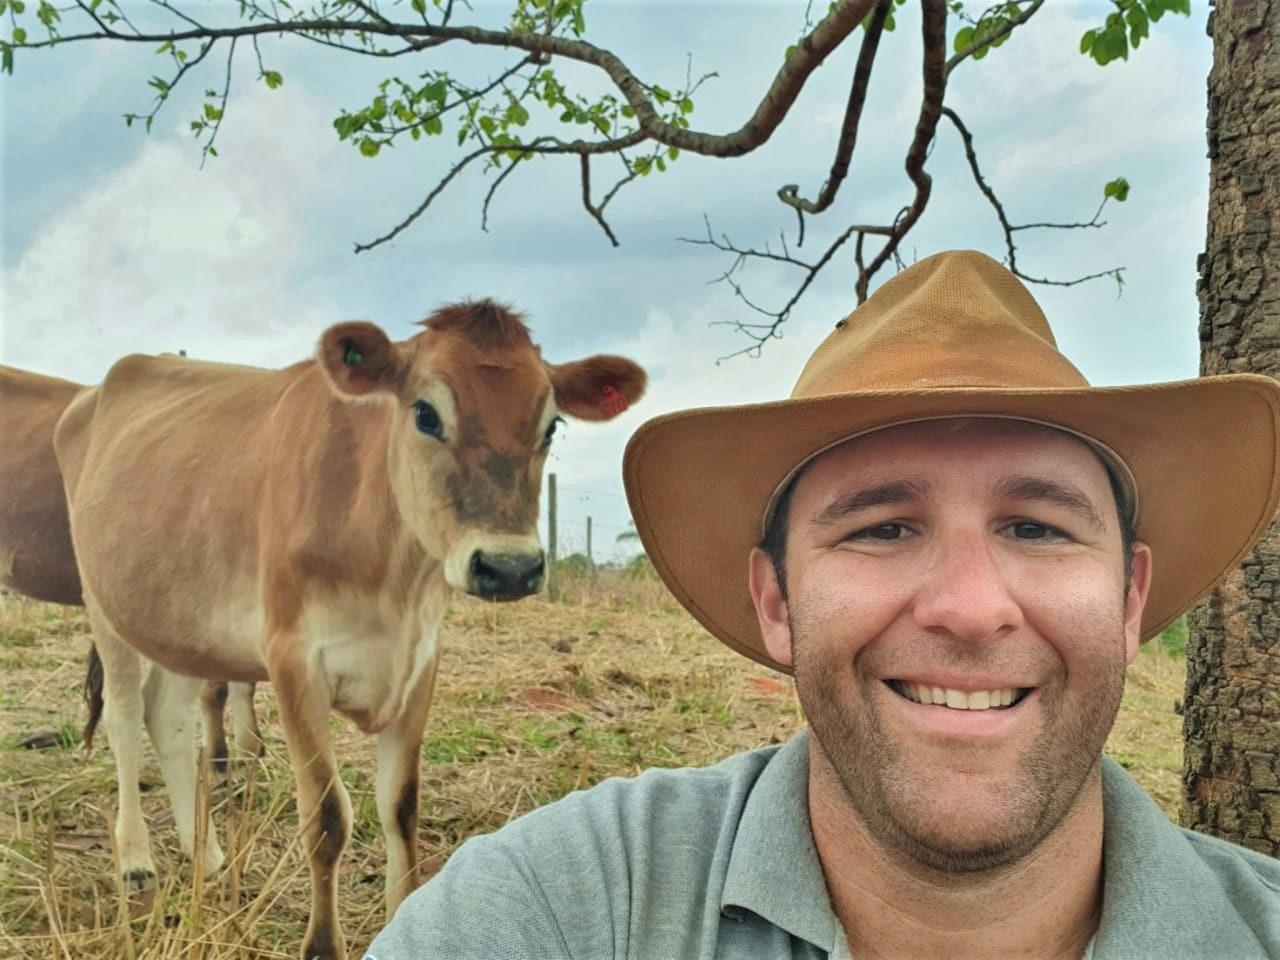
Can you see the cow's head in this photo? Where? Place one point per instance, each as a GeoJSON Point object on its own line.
{"type": "Point", "coordinates": [475, 411]}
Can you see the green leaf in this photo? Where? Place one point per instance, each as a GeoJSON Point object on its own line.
{"type": "Point", "coordinates": [673, 152]}
{"type": "Point", "coordinates": [662, 165]}
{"type": "Point", "coordinates": [964, 37]}
{"type": "Point", "coordinates": [6, 58]}
{"type": "Point", "coordinates": [488, 124]}
{"type": "Point", "coordinates": [369, 148]}
{"type": "Point", "coordinates": [627, 111]}
{"type": "Point", "coordinates": [1086, 41]}
{"type": "Point", "coordinates": [420, 6]}
{"type": "Point", "coordinates": [18, 6]}
{"type": "Point", "coordinates": [1117, 189]}
{"type": "Point", "coordinates": [273, 79]}
{"type": "Point", "coordinates": [19, 35]}
{"type": "Point", "coordinates": [788, 52]}
{"type": "Point", "coordinates": [686, 106]}
{"type": "Point", "coordinates": [661, 95]}
{"type": "Point", "coordinates": [433, 125]}
{"type": "Point", "coordinates": [211, 112]}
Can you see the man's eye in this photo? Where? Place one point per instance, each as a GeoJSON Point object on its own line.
{"type": "Point", "coordinates": [884, 531]}
{"type": "Point", "coordinates": [1030, 530]}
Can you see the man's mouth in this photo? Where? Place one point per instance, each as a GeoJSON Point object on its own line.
{"type": "Point", "coordinates": [998, 699]}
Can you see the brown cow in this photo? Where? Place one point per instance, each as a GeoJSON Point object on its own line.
{"type": "Point", "coordinates": [36, 557]}
{"type": "Point", "coordinates": [308, 526]}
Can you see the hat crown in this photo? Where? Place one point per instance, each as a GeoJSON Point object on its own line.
{"type": "Point", "coordinates": [956, 319]}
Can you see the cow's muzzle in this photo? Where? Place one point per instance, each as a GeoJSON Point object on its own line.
{"type": "Point", "coordinates": [505, 576]}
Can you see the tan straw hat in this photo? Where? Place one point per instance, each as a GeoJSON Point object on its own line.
{"type": "Point", "coordinates": [955, 335]}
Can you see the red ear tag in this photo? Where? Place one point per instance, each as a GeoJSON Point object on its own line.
{"type": "Point", "coordinates": [612, 402]}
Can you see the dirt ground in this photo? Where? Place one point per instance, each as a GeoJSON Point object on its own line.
{"type": "Point", "coordinates": [534, 700]}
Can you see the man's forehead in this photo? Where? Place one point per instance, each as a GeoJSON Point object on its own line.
{"type": "Point", "coordinates": [954, 446]}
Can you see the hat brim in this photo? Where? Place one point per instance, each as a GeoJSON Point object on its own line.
{"type": "Point", "coordinates": [1202, 453]}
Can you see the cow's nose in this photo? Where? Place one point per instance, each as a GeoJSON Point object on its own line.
{"type": "Point", "coordinates": [505, 576]}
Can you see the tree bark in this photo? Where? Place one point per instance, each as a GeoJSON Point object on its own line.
{"type": "Point", "coordinates": [1231, 725]}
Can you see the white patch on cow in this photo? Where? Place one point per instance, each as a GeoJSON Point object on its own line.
{"type": "Point", "coordinates": [371, 652]}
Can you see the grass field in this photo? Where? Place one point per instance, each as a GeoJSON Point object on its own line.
{"type": "Point", "coordinates": [534, 700]}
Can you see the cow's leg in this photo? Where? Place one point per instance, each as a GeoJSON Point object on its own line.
{"type": "Point", "coordinates": [399, 746]}
{"type": "Point", "coordinates": [169, 699]}
{"type": "Point", "coordinates": [324, 808]}
{"type": "Point", "coordinates": [213, 699]}
{"type": "Point", "coordinates": [122, 716]}
{"type": "Point", "coordinates": [244, 722]}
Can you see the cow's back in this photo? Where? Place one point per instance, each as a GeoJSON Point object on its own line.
{"type": "Point", "coordinates": [164, 466]}
{"type": "Point", "coordinates": [36, 557]}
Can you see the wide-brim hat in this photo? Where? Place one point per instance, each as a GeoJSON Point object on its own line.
{"type": "Point", "coordinates": [956, 335]}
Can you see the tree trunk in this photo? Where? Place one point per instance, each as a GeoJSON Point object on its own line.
{"type": "Point", "coordinates": [1231, 725]}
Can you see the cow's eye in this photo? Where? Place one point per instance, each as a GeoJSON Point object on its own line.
{"type": "Point", "coordinates": [428, 420]}
{"type": "Point", "coordinates": [551, 431]}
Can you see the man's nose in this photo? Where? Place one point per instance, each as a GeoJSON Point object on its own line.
{"type": "Point", "coordinates": [965, 591]}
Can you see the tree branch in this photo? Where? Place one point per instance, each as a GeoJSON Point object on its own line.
{"type": "Point", "coordinates": [789, 194]}
{"type": "Point", "coordinates": [934, 31]}
{"type": "Point", "coordinates": [1011, 258]}
{"type": "Point", "coordinates": [994, 36]}
{"type": "Point", "coordinates": [772, 109]}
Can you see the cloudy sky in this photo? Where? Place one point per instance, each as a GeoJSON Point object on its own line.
{"type": "Point", "coordinates": [115, 242]}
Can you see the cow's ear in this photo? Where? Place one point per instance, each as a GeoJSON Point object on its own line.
{"type": "Point", "coordinates": [359, 359]}
{"type": "Point", "coordinates": [597, 388]}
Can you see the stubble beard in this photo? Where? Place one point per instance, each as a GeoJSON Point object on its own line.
{"type": "Point", "coordinates": [901, 812]}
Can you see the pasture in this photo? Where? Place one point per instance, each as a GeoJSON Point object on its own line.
{"type": "Point", "coordinates": [534, 700]}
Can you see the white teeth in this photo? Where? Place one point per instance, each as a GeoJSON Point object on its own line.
{"type": "Point", "coordinates": [957, 699]}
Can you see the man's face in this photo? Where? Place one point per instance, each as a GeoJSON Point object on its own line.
{"type": "Point", "coordinates": [969, 561]}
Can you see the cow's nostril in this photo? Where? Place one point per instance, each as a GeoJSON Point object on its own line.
{"type": "Point", "coordinates": [505, 576]}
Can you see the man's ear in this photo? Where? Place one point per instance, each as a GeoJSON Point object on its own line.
{"type": "Point", "coordinates": [1135, 600]}
{"type": "Point", "coordinates": [771, 606]}
{"type": "Point", "coordinates": [597, 388]}
{"type": "Point", "coordinates": [359, 359]}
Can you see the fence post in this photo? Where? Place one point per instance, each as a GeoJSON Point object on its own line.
{"type": "Point", "coordinates": [553, 593]}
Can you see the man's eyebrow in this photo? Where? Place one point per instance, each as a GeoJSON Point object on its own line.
{"type": "Point", "coordinates": [1056, 492]}
{"type": "Point", "coordinates": [895, 491]}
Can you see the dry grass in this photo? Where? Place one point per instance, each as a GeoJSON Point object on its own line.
{"type": "Point", "coordinates": [535, 700]}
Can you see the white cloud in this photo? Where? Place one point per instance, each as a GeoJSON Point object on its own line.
{"type": "Point", "coordinates": [160, 255]}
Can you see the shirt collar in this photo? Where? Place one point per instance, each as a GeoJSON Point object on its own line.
{"type": "Point", "coordinates": [1160, 898]}
{"type": "Point", "coordinates": [774, 870]}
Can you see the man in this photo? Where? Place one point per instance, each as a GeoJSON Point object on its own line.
{"type": "Point", "coordinates": [957, 546]}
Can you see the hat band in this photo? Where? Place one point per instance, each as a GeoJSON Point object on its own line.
{"type": "Point", "coordinates": [1111, 460]}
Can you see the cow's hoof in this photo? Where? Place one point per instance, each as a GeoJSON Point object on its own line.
{"type": "Point", "coordinates": [140, 881]}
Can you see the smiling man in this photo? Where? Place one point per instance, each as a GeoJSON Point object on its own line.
{"type": "Point", "coordinates": [957, 546]}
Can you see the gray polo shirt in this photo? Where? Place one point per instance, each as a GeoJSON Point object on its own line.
{"type": "Point", "coordinates": [720, 862]}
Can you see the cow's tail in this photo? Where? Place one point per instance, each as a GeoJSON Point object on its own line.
{"type": "Point", "coordinates": [92, 696]}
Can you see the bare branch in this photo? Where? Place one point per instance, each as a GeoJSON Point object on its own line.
{"type": "Point", "coordinates": [493, 188]}
{"type": "Point", "coordinates": [435, 192]}
{"type": "Point", "coordinates": [934, 29]}
{"type": "Point", "coordinates": [1116, 273]}
{"type": "Point", "coordinates": [789, 194]}
{"type": "Point", "coordinates": [597, 212]}
{"type": "Point", "coordinates": [760, 333]}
